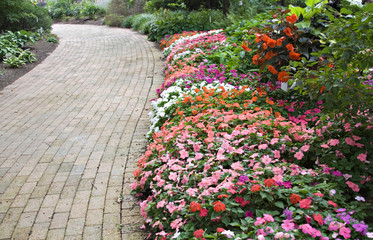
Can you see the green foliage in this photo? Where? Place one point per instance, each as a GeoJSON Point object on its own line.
{"type": "Point", "coordinates": [346, 59]}
{"type": "Point", "coordinates": [248, 9]}
{"type": "Point", "coordinates": [11, 48]}
{"type": "Point", "coordinates": [140, 20]}
{"type": "Point", "coordinates": [114, 20]}
{"type": "Point", "coordinates": [68, 8]}
{"type": "Point", "coordinates": [16, 15]}
{"type": "Point", "coordinates": [178, 21]}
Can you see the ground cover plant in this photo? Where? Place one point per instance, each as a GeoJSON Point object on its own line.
{"type": "Point", "coordinates": [233, 156]}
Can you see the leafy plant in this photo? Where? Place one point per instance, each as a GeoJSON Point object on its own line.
{"type": "Point", "coordinates": [13, 61]}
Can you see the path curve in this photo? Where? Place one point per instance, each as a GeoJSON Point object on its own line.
{"type": "Point", "coordinates": [71, 131]}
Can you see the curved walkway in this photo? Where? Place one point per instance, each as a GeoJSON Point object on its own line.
{"type": "Point", "coordinates": [71, 131]}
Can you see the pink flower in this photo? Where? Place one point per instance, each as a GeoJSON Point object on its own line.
{"type": "Point", "coordinates": [333, 226]}
{"type": "Point", "coordinates": [237, 166]}
{"type": "Point", "coordinates": [184, 154]}
{"type": "Point", "coordinates": [276, 154]}
{"type": "Point", "coordinates": [362, 157]}
{"type": "Point", "coordinates": [161, 203]}
{"type": "Point", "coordinates": [263, 146]}
{"type": "Point", "coordinates": [325, 145]}
{"type": "Point", "coordinates": [305, 148]}
{"type": "Point", "coordinates": [203, 212]}
{"type": "Point", "coordinates": [288, 225]}
{"type": "Point", "coordinates": [268, 218]}
{"type": "Point", "coordinates": [350, 142]}
{"type": "Point", "coordinates": [353, 186]}
{"type": "Point", "coordinates": [299, 155]}
{"type": "Point", "coordinates": [266, 159]}
{"type": "Point", "coordinates": [177, 223]}
{"type": "Point", "coordinates": [259, 221]}
{"type": "Point", "coordinates": [333, 142]}
{"type": "Point", "coordinates": [345, 232]}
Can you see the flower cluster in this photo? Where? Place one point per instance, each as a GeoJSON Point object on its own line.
{"type": "Point", "coordinates": [227, 160]}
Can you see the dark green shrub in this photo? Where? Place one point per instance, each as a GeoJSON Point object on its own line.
{"type": "Point", "coordinates": [68, 8]}
{"type": "Point", "coordinates": [16, 15]}
{"type": "Point", "coordinates": [127, 23]}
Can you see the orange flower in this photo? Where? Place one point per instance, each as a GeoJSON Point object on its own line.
{"type": "Point", "coordinates": [245, 47]}
{"type": "Point", "coordinates": [322, 89]}
{"type": "Point", "coordinates": [269, 182]}
{"type": "Point", "coordinates": [270, 55]}
{"type": "Point", "coordinates": [255, 188]}
{"type": "Point", "coordinates": [254, 99]}
{"type": "Point", "coordinates": [272, 69]}
{"type": "Point", "coordinates": [194, 206]}
{"type": "Point", "coordinates": [181, 113]}
{"type": "Point", "coordinates": [265, 46]}
{"type": "Point", "coordinates": [194, 112]}
{"type": "Point", "coordinates": [277, 114]}
{"type": "Point", "coordinates": [255, 59]}
{"type": "Point", "coordinates": [219, 206]}
{"type": "Point", "coordinates": [294, 56]}
{"type": "Point", "coordinates": [289, 47]}
{"type": "Point", "coordinates": [279, 42]}
{"type": "Point", "coordinates": [199, 98]}
{"type": "Point", "coordinates": [271, 43]}
{"type": "Point", "coordinates": [197, 90]}
{"type": "Point", "coordinates": [283, 76]}
{"type": "Point", "coordinates": [288, 33]}
{"type": "Point", "coordinates": [222, 196]}
{"type": "Point", "coordinates": [266, 38]}
{"type": "Point", "coordinates": [294, 198]}
{"type": "Point", "coordinates": [292, 19]}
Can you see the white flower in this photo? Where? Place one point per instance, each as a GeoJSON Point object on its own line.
{"type": "Point", "coordinates": [228, 233]}
{"type": "Point", "coordinates": [176, 235]}
{"type": "Point", "coordinates": [370, 234]}
{"type": "Point", "coordinates": [332, 192]}
{"type": "Point", "coordinates": [360, 199]}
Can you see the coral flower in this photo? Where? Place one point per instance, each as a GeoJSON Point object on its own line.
{"type": "Point", "coordinates": [270, 182]}
{"type": "Point", "coordinates": [294, 198]}
{"type": "Point", "coordinates": [271, 43]}
{"type": "Point", "coordinates": [266, 38]}
{"type": "Point", "coordinates": [305, 203]}
{"type": "Point", "coordinates": [272, 69]}
{"type": "Point", "coordinates": [290, 47]}
{"type": "Point", "coordinates": [219, 206]}
{"type": "Point", "coordinates": [292, 19]}
{"type": "Point", "coordinates": [283, 76]}
{"type": "Point", "coordinates": [194, 207]}
{"type": "Point", "coordinates": [288, 33]}
{"type": "Point", "coordinates": [255, 188]}
{"type": "Point", "coordinates": [294, 56]}
{"type": "Point", "coordinates": [220, 230]}
{"type": "Point", "coordinates": [136, 173]}
{"type": "Point", "coordinates": [198, 233]}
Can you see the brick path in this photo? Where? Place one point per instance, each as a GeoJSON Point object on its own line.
{"type": "Point", "coordinates": [71, 131]}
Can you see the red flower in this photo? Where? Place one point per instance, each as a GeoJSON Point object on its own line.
{"type": "Point", "coordinates": [272, 69]}
{"type": "Point", "coordinates": [288, 33]}
{"type": "Point", "coordinates": [266, 38]}
{"type": "Point", "coordinates": [305, 203]}
{"type": "Point", "coordinates": [198, 233]}
{"type": "Point", "coordinates": [332, 203]}
{"type": "Point", "coordinates": [294, 198]}
{"type": "Point", "coordinates": [270, 55]}
{"type": "Point", "coordinates": [294, 56]}
{"type": "Point", "coordinates": [194, 207]}
{"type": "Point", "coordinates": [322, 89]}
{"type": "Point", "coordinates": [255, 188]}
{"type": "Point", "coordinates": [271, 43]}
{"type": "Point", "coordinates": [265, 46]}
{"type": "Point", "coordinates": [270, 182]}
{"type": "Point", "coordinates": [255, 59]}
{"type": "Point", "coordinates": [292, 19]}
{"type": "Point", "coordinates": [318, 218]}
{"type": "Point", "coordinates": [219, 206]}
{"type": "Point", "coordinates": [222, 196]}
{"type": "Point", "coordinates": [137, 172]}
{"type": "Point", "coordinates": [220, 230]}
{"type": "Point", "coordinates": [283, 76]}
{"type": "Point", "coordinates": [289, 47]}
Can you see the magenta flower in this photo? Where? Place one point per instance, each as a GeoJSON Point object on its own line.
{"type": "Point", "coordinates": [288, 225]}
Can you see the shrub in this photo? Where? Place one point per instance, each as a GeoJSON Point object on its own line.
{"type": "Point", "coordinates": [18, 15]}
{"type": "Point", "coordinates": [141, 19]}
{"type": "Point", "coordinates": [68, 8]}
{"type": "Point", "coordinates": [128, 22]}
{"type": "Point", "coordinates": [114, 20]}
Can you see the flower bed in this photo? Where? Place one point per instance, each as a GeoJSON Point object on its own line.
{"type": "Point", "coordinates": [228, 160]}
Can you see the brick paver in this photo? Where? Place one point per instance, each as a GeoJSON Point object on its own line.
{"type": "Point", "coordinates": [71, 131]}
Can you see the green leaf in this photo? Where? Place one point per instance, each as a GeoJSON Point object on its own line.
{"type": "Point", "coordinates": [346, 11]}
{"type": "Point", "coordinates": [242, 54]}
{"type": "Point", "coordinates": [297, 10]}
{"type": "Point", "coordinates": [279, 204]}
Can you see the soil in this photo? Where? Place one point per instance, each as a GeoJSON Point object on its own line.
{"type": "Point", "coordinates": [41, 49]}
